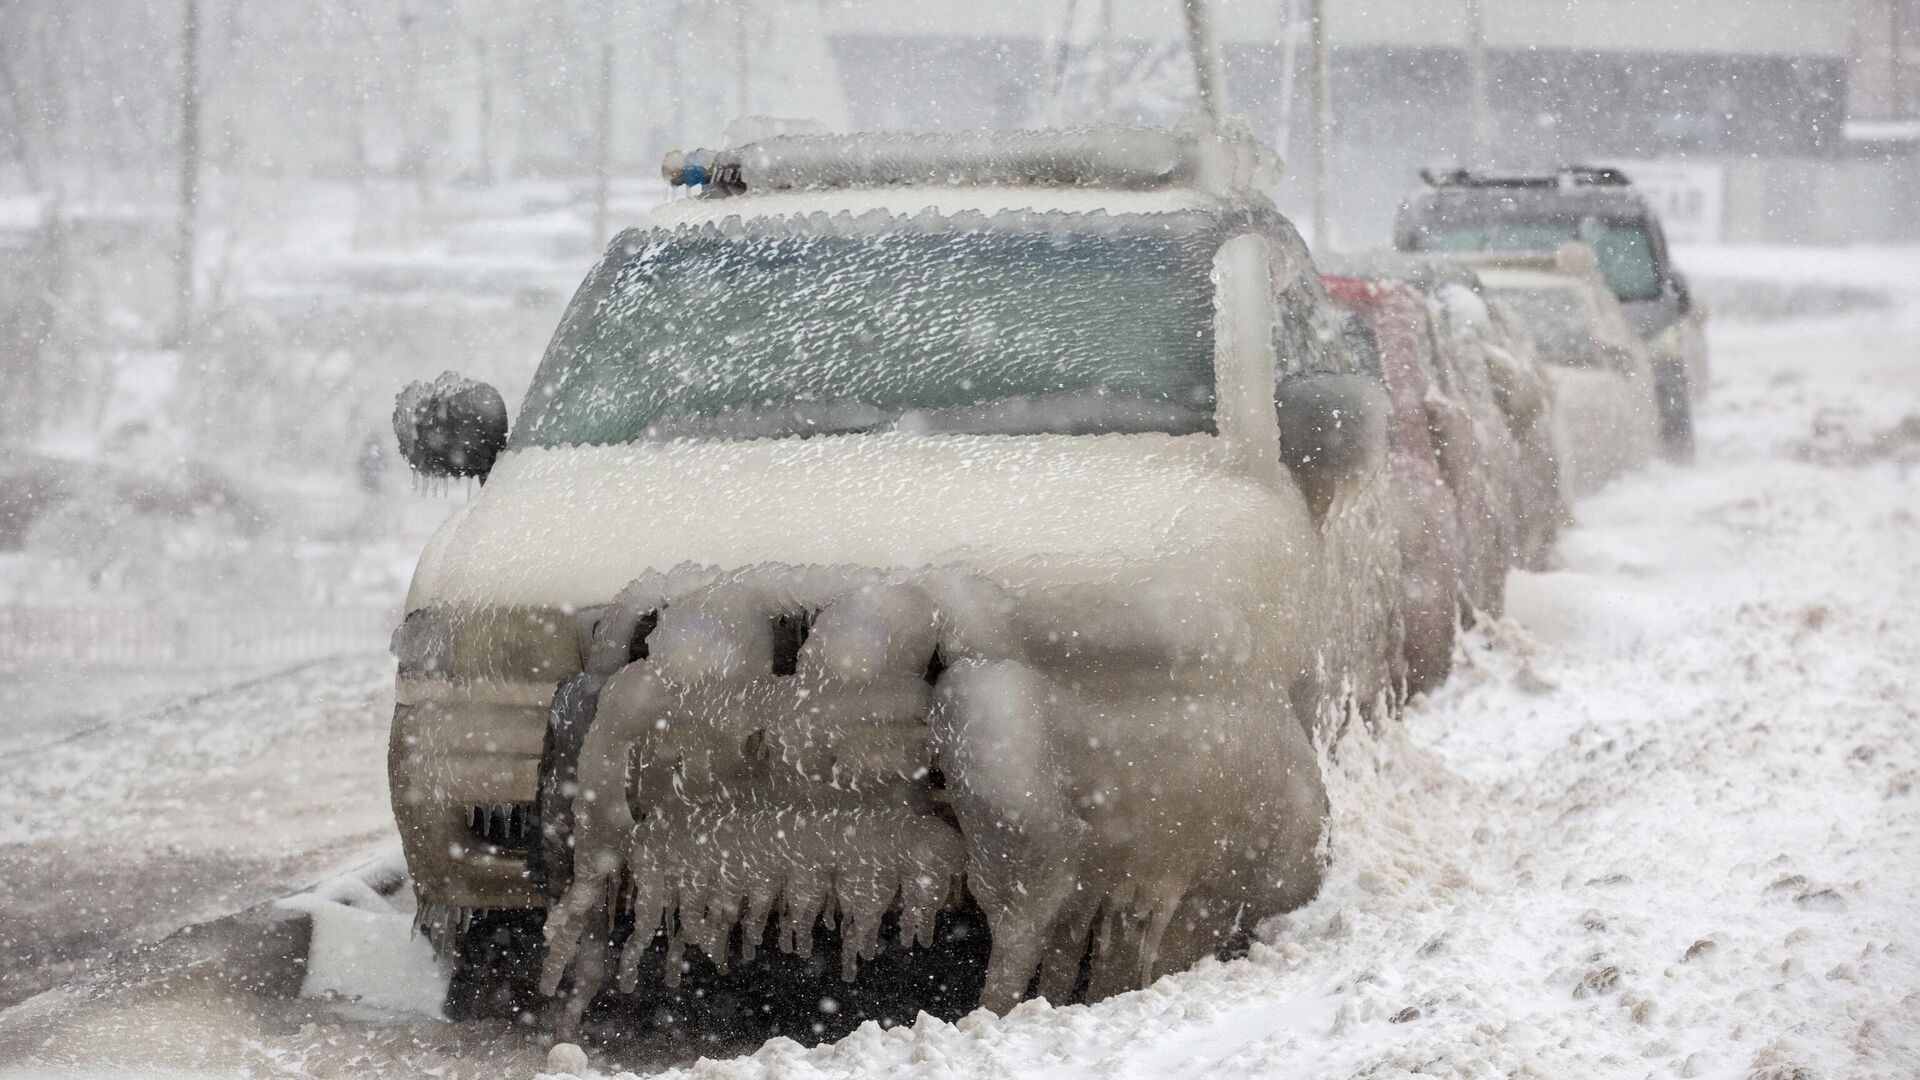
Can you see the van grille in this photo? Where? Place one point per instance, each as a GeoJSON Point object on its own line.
{"type": "Point", "coordinates": [506, 828]}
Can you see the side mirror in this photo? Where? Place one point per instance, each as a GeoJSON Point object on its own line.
{"type": "Point", "coordinates": [1609, 356]}
{"type": "Point", "coordinates": [450, 427]}
{"type": "Point", "coordinates": [1682, 294]}
{"type": "Point", "coordinates": [1333, 432]}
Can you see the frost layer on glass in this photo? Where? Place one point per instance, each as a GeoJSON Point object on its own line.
{"type": "Point", "coordinates": [1012, 325]}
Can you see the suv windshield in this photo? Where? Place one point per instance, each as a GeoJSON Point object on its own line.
{"type": "Point", "coordinates": [1623, 247]}
{"type": "Point", "coordinates": [1017, 324]}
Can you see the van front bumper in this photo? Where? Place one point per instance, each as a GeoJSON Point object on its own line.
{"type": "Point", "coordinates": [463, 766]}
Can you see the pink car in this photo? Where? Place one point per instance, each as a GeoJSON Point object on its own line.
{"type": "Point", "coordinates": [1388, 329]}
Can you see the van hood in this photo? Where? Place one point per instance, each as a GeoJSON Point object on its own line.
{"type": "Point", "coordinates": [571, 526]}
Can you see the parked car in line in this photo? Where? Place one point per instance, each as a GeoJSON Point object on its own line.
{"type": "Point", "coordinates": [1487, 329]}
{"type": "Point", "coordinates": [1482, 463]}
{"type": "Point", "coordinates": [1462, 211]}
{"type": "Point", "coordinates": [904, 527]}
{"type": "Point", "coordinates": [1606, 420]}
{"type": "Point", "coordinates": [1389, 330]}
{"type": "Point", "coordinates": [1488, 336]}
{"type": "Point", "coordinates": [1488, 366]}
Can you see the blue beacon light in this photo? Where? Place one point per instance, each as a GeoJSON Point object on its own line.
{"type": "Point", "coordinates": [688, 168]}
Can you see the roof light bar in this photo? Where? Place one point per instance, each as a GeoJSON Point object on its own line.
{"type": "Point", "coordinates": [688, 168]}
{"type": "Point", "coordinates": [1126, 158]}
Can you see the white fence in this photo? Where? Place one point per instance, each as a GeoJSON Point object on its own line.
{"type": "Point", "coordinates": [145, 637]}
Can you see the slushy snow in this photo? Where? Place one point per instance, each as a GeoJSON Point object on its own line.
{"type": "Point", "coordinates": [1662, 822]}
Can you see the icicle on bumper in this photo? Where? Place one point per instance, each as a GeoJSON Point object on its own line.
{"type": "Point", "coordinates": [795, 747]}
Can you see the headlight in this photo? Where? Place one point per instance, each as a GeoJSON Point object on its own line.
{"type": "Point", "coordinates": [515, 644]}
{"type": "Point", "coordinates": [423, 643]}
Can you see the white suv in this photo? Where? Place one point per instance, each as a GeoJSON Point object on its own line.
{"type": "Point", "coordinates": [905, 525]}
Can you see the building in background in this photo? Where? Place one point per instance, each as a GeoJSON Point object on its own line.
{"type": "Point", "coordinates": [1884, 72]}
{"type": "Point", "coordinates": [1737, 110]}
{"type": "Point", "coordinates": [1757, 112]}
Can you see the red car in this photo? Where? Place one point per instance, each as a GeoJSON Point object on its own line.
{"type": "Point", "coordinates": [1388, 329]}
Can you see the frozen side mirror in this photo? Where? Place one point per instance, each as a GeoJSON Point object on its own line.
{"type": "Point", "coordinates": [1609, 356]}
{"type": "Point", "coordinates": [1333, 433]}
{"type": "Point", "coordinates": [1682, 294]}
{"type": "Point", "coordinates": [450, 427]}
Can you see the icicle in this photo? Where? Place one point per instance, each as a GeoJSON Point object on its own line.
{"type": "Point", "coordinates": [704, 873]}
{"type": "Point", "coordinates": [922, 895]}
{"type": "Point", "coordinates": [759, 904]}
{"type": "Point", "coordinates": [864, 891]}
{"type": "Point", "coordinates": [676, 955]}
{"type": "Point", "coordinates": [807, 891]}
{"type": "Point", "coordinates": [588, 975]}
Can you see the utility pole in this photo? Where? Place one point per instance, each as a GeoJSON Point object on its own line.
{"type": "Point", "coordinates": [1106, 62]}
{"type": "Point", "coordinates": [1206, 60]}
{"type": "Point", "coordinates": [414, 149]}
{"type": "Point", "coordinates": [1482, 142]}
{"type": "Point", "coordinates": [189, 170]}
{"type": "Point", "coordinates": [1322, 123]}
{"type": "Point", "coordinates": [676, 95]}
{"type": "Point", "coordinates": [1289, 69]}
{"type": "Point", "coordinates": [603, 129]}
{"type": "Point", "coordinates": [1896, 60]}
{"type": "Point", "coordinates": [485, 148]}
{"type": "Point", "coordinates": [741, 82]}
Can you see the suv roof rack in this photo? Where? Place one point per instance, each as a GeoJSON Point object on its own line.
{"type": "Point", "coordinates": [1568, 176]}
{"type": "Point", "coordinates": [1124, 158]}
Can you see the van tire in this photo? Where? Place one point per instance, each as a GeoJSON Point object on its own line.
{"type": "Point", "coordinates": [496, 970]}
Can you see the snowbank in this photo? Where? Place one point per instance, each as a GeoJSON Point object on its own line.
{"type": "Point", "coordinates": [1662, 822]}
{"type": "Point", "coordinates": [363, 947]}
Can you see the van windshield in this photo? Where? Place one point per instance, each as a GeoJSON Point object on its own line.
{"type": "Point", "coordinates": [1623, 248]}
{"type": "Point", "coordinates": [1009, 325]}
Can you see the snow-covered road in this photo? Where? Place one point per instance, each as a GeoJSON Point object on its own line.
{"type": "Point", "coordinates": [1665, 821]}
{"type": "Point", "coordinates": [121, 830]}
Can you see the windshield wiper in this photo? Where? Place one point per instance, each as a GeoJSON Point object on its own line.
{"type": "Point", "coordinates": [1071, 412]}
{"type": "Point", "coordinates": [792, 419]}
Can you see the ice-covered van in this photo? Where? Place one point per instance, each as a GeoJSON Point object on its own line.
{"type": "Point", "coordinates": [903, 526]}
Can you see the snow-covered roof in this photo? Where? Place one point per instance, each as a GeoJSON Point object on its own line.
{"type": "Point", "coordinates": [1112, 170]}
{"type": "Point", "coordinates": [1220, 159]}
{"type": "Point", "coordinates": [1573, 260]}
{"type": "Point", "coordinates": [1883, 131]}
{"type": "Point", "coordinates": [21, 213]}
{"type": "Point", "coordinates": [1544, 276]}
{"type": "Point", "coordinates": [912, 199]}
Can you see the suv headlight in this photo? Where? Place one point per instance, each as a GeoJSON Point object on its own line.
{"type": "Point", "coordinates": [514, 644]}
